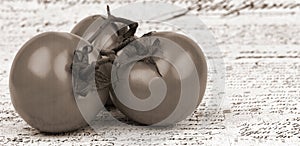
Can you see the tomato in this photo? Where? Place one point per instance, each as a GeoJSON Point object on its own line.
{"type": "Point", "coordinates": [106, 39]}
{"type": "Point", "coordinates": [81, 27]}
{"type": "Point", "coordinates": [163, 92]}
{"type": "Point", "coordinates": [85, 29]}
{"type": "Point", "coordinates": [41, 84]}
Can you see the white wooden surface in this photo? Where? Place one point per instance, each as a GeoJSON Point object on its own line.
{"type": "Point", "coordinates": [261, 50]}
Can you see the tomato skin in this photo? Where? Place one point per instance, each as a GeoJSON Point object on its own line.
{"type": "Point", "coordinates": [81, 27]}
{"type": "Point", "coordinates": [194, 51]}
{"type": "Point", "coordinates": [141, 74]}
{"type": "Point", "coordinates": [41, 84]}
{"type": "Point", "coordinates": [106, 40]}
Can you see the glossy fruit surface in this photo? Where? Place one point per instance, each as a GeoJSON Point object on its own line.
{"type": "Point", "coordinates": [41, 84]}
{"type": "Point", "coordinates": [106, 40]}
{"type": "Point", "coordinates": [147, 85]}
{"type": "Point", "coordinates": [81, 27]}
{"type": "Point", "coordinates": [196, 54]}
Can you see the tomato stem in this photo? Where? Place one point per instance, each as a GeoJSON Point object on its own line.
{"type": "Point", "coordinates": [108, 10]}
{"type": "Point", "coordinates": [112, 19]}
{"type": "Point", "coordinates": [84, 71]}
{"type": "Point", "coordinates": [140, 50]}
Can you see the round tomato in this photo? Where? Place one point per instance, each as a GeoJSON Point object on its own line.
{"type": "Point", "coordinates": [159, 79]}
{"type": "Point", "coordinates": [41, 84]}
{"type": "Point", "coordinates": [103, 37]}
